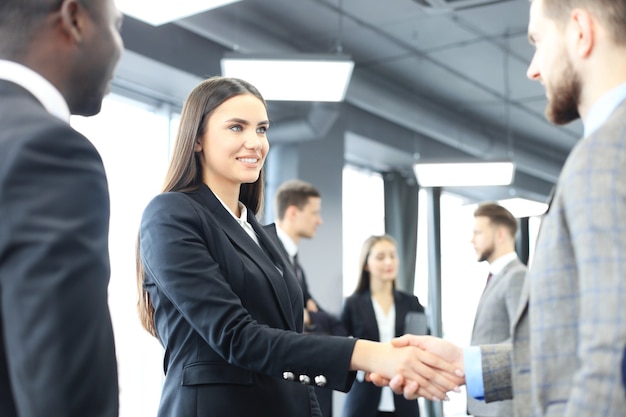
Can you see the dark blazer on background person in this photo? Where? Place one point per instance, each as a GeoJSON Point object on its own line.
{"type": "Point", "coordinates": [222, 305]}
{"type": "Point", "coordinates": [57, 353]}
{"type": "Point", "coordinates": [359, 319]}
{"type": "Point", "coordinates": [574, 298]}
{"type": "Point", "coordinates": [495, 314]}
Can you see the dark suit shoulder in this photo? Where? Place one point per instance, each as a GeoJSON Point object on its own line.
{"type": "Point", "coordinates": [356, 298]}
{"type": "Point", "coordinates": [172, 208]}
{"type": "Point", "coordinates": [410, 300]}
{"type": "Point", "coordinates": [44, 134]}
{"type": "Point", "coordinates": [170, 200]}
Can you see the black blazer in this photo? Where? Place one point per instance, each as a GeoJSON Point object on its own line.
{"type": "Point", "coordinates": [229, 313]}
{"type": "Point", "coordinates": [359, 319]}
{"type": "Point", "coordinates": [57, 355]}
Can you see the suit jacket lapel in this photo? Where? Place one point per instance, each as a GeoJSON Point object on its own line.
{"type": "Point", "coordinates": [366, 311]}
{"type": "Point", "coordinates": [270, 263]}
{"type": "Point", "coordinates": [495, 280]}
{"type": "Point", "coordinates": [285, 282]}
{"type": "Point", "coordinates": [270, 229]}
{"type": "Point", "coordinates": [402, 309]}
{"type": "Point", "coordinates": [523, 303]}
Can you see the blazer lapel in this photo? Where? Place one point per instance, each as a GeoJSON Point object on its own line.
{"type": "Point", "coordinates": [270, 229]}
{"type": "Point", "coordinates": [366, 310]}
{"type": "Point", "coordinates": [523, 303]}
{"type": "Point", "coordinates": [269, 263]}
{"type": "Point", "coordinates": [402, 309]}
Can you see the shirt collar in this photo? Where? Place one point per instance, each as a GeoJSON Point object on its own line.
{"type": "Point", "coordinates": [38, 86]}
{"type": "Point", "coordinates": [242, 219]}
{"type": "Point", "coordinates": [498, 265]}
{"type": "Point", "coordinates": [290, 246]}
{"type": "Point", "coordinates": [600, 112]}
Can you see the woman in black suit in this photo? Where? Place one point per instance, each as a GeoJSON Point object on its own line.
{"type": "Point", "coordinates": [377, 311]}
{"type": "Point", "coordinates": [216, 291]}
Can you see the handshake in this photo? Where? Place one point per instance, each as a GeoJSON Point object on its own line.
{"type": "Point", "coordinates": [417, 366]}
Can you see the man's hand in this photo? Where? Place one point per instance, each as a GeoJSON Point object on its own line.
{"type": "Point", "coordinates": [446, 351]}
{"type": "Point", "coordinates": [311, 306]}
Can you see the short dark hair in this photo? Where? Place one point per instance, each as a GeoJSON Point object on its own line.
{"type": "Point", "coordinates": [19, 19]}
{"type": "Point", "coordinates": [293, 193]}
{"type": "Point", "coordinates": [612, 13]}
{"type": "Point", "coordinates": [497, 215]}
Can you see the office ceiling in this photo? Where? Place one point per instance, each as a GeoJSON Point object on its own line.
{"type": "Point", "coordinates": [432, 78]}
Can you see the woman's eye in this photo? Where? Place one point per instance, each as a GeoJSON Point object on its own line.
{"type": "Point", "coordinates": [261, 129]}
{"type": "Point", "coordinates": [236, 128]}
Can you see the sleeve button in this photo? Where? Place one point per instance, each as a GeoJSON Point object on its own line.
{"type": "Point", "coordinates": [320, 381]}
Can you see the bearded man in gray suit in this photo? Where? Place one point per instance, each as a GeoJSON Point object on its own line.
{"type": "Point", "coordinates": [569, 333]}
{"type": "Point", "coordinates": [494, 242]}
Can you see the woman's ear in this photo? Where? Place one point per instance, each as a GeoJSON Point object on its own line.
{"type": "Point", "coordinates": [198, 146]}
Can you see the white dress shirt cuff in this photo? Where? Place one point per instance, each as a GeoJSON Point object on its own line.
{"type": "Point", "coordinates": [473, 363]}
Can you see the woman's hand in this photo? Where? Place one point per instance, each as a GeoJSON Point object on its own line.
{"type": "Point", "coordinates": [447, 353]}
{"type": "Point", "coordinates": [412, 370]}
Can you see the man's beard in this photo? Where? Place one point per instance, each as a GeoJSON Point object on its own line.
{"type": "Point", "coordinates": [562, 106]}
{"type": "Point", "coordinates": [486, 254]}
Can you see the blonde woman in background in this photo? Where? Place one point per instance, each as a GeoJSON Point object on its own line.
{"type": "Point", "coordinates": [377, 311]}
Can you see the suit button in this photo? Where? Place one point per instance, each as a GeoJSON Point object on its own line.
{"type": "Point", "coordinates": [320, 381]}
{"type": "Point", "coordinates": [288, 376]}
{"type": "Point", "coordinates": [304, 379]}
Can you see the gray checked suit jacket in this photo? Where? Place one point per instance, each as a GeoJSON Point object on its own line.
{"type": "Point", "coordinates": [492, 324]}
{"type": "Point", "coordinates": [571, 326]}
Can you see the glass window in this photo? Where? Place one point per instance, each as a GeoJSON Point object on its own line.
{"type": "Point", "coordinates": [133, 140]}
{"type": "Point", "coordinates": [363, 206]}
{"type": "Point", "coordinates": [462, 276]}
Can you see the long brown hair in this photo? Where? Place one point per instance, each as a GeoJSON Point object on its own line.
{"type": "Point", "coordinates": [364, 275]}
{"type": "Point", "coordinates": [184, 173]}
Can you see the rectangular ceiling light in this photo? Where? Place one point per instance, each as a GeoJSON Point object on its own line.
{"type": "Point", "coordinates": [158, 12]}
{"type": "Point", "coordinates": [297, 77]}
{"type": "Point", "coordinates": [464, 174]}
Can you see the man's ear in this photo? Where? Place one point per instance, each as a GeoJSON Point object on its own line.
{"type": "Point", "coordinates": [582, 32]}
{"type": "Point", "coordinates": [501, 233]}
{"type": "Point", "coordinates": [291, 211]}
{"type": "Point", "coordinates": [74, 18]}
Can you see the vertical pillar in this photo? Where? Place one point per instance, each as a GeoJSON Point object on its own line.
{"type": "Point", "coordinates": [523, 240]}
{"type": "Point", "coordinates": [320, 162]}
{"type": "Point", "coordinates": [433, 212]}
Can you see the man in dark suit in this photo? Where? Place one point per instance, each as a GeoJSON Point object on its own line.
{"type": "Point", "coordinates": [298, 214]}
{"type": "Point", "coordinates": [57, 353]}
{"type": "Point", "coordinates": [494, 242]}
